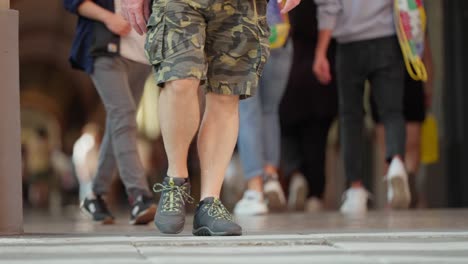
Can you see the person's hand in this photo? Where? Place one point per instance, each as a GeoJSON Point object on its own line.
{"type": "Point", "coordinates": [321, 69]}
{"type": "Point", "coordinates": [137, 12]}
{"type": "Point", "coordinates": [289, 5]}
{"type": "Point", "coordinates": [117, 25]}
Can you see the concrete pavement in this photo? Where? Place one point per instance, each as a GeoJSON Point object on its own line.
{"type": "Point", "coordinates": [379, 237]}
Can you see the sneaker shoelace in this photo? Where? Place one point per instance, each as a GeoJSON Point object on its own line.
{"type": "Point", "coordinates": [218, 211]}
{"type": "Point", "coordinates": [174, 196]}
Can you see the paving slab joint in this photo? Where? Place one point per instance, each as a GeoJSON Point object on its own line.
{"type": "Point", "coordinates": [140, 254]}
{"type": "Point", "coordinates": [330, 244]}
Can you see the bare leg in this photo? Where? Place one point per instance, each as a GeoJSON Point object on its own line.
{"type": "Point", "coordinates": [179, 114]}
{"type": "Point", "coordinates": [413, 147]}
{"type": "Point", "coordinates": [271, 169]}
{"type": "Point", "coordinates": [413, 160]}
{"type": "Point", "coordinates": [216, 140]}
{"type": "Point", "coordinates": [256, 184]}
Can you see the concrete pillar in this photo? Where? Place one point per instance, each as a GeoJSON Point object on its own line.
{"type": "Point", "coordinates": [11, 204]}
{"type": "Point", "coordinates": [4, 4]}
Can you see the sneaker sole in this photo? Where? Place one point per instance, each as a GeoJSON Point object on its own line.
{"type": "Point", "coordinates": [400, 200]}
{"type": "Point", "coordinates": [205, 231]}
{"type": "Point", "coordinates": [145, 217]}
{"type": "Point", "coordinates": [106, 221]}
{"type": "Point", "coordinates": [274, 202]}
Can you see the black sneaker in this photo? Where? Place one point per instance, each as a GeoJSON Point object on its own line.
{"type": "Point", "coordinates": [97, 209]}
{"type": "Point", "coordinates": [175, 192]}
{"type": "Point", "coordinates": [213, 219]}
{"type": "Point", "coordinates": [143, 211]}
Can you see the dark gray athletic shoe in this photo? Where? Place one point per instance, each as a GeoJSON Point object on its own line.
{"type": "Point", "coordinates": [143, 210]}
{"type": "Point", "coordinates": [175, 192]}
{"type": "Point", "coordinates": [213, 219]}
{"type": "Point", "coordinates": [96, 209]}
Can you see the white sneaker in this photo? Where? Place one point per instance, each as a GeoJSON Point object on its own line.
{"type": "Point", "coordinates": [398, 194]}
{"type": "Point", "coordinates": [297, 192]}
{"type": "Point", "coordinates": [252, 203]}
{"type": "Point", "coordinates": [274, 194]}
{"type": "Point", "coordinates": [355, 201]}
{"type": "Point", "coordinates": [313, 205]}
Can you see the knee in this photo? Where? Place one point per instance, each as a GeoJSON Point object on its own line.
{"type": "Point", "coordinates": [270, 109]}
{"type": "Point", "coordinates": [351, 114]}
{"type": "Point", "coordinates": [390, 109]}
{"type": "Point", "coordinates": [221, 101]}
{"type": "Point", "coordinates": [187, 88]}
{"type": "Point", "coordinates": [391, 115]}
{"type": "Point", "coordinates": [122, 120]}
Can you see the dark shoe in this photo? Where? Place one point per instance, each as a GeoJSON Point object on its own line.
{"type": "Point", "coordinates": [213, 219]}
{"type": "Point", "coordinates": [143, 211]}
{"type": "Point", "coordinates": [97, 209]}
{"type": "Point", "coordinates": [170, 217]}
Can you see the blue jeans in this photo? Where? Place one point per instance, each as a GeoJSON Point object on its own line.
{"type": "Point", "coordinates": [259, 131]}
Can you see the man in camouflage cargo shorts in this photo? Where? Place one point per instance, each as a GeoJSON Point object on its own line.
{"type": "Point", "coordinates": [221, 45]}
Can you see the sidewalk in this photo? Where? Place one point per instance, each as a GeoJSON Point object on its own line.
{"type": "Point", "coordinates": [380, 237]}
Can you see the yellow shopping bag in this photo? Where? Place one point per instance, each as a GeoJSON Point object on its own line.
{"type": "Point", "coordinates": [429, 140]}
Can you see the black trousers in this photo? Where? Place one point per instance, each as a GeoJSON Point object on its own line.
{"type": "Point", "coordinates": [303, 149]}
{"type": "Point", "coordinates": [379, 61]}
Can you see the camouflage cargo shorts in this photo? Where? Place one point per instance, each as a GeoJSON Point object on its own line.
{"type": "Point", "coordinates": [223, 43]}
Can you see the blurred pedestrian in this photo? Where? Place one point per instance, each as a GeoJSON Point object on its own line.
{"type": "Point", "coordinates": [307, 111]}
{"type": "Point", "coordinates": [39, 167]}
{"type": "Point", "coordinates": [417, 100]}
{"type": "Point", "coordinates": [106, 47]}
{"type": "Point", "coordinates": [368, 49]}
{"type": "Point", "coordinates": [259, 131]}
{"type": "Point", "coordinates": [85, 157]}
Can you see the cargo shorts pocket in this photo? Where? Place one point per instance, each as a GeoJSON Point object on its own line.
{"type": "Point", "coordinates": [264, 45]}
{"type": "Point", "coordinates": [154, 44]}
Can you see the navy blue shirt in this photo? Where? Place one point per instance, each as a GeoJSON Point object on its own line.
{"type": "Point", "coordinates": [86, 42]}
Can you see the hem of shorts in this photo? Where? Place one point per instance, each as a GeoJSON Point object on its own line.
{"type": "Point", "coordinates": [271, 163]}
{"type": "Point", "coordinates": [241, 87]}
{"type": "Point", "coordinates": [407, 120]}
{"type": "Point", "coordinates": [415, 120]}
{"type": "Point", "coordinates": [178, 77]}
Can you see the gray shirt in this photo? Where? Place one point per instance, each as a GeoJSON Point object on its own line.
{"type": "Point", "coordinates": [355, 20]}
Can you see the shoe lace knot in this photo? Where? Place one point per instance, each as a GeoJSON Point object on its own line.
{"type": "Point", "coordinates": [174, 196]}
{"type": "Point", "coordinates": [218, 211]}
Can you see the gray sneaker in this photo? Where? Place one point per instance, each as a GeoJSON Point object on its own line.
{"type": "Point", "coordinates": [213, 219]}
{"type": "Point", "coordinates": [170, 217]}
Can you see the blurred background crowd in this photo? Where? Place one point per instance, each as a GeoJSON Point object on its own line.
{"type": "Point", "coordinates": [62, 121]}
